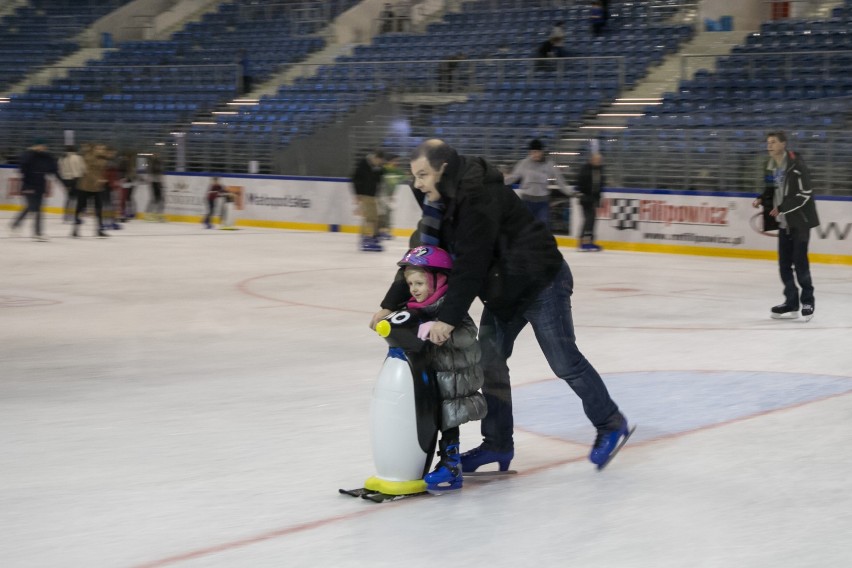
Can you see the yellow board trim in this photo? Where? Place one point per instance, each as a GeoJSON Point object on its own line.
{"type": "Point", "coordinates": [571, 242]}
{"type": "Point", "coordinates": [395, 487]}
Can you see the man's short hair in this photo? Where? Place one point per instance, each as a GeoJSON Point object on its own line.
{"type": "Point", "coordinates": [778, 135]}
{"type": "Point", "coordinates": [437, 153]}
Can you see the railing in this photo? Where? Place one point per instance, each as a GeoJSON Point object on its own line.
{"type": "Point", "coordinates": [501, 145]}
{"type": "Point", "coordinates": [113, 78]}
{"type": "Point", "coordinates": [792, 9]}
{"type": "Point", "coordinates": [142, 27]}
{"type": "Point", "coordinates": [469, 75]}
{"type": "Point", "coordinates": [832, 63]}
{"type": "Point", "coordinates": [299, 11]}
{"type": "Point", "coordinates": [722, 160]}
{"type": "Point", "coordinates": [700, 158]}
{"type": "Point", "coordinates": [706, 160]}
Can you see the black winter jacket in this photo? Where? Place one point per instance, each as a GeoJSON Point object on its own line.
{"type": "Point", "coordinates": [586, 184]}
{"type": "Point", "coordinates": [501, 253]}
{"type": "Point", "coordinates": [34, 166]}
{"type": "Point", "coordinates": [798, 206]}
{"type": "Point", "coordinates": [366, 178]}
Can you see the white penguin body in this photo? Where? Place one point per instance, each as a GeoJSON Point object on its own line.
{"type": "Point", "coordinates": [397, 454]}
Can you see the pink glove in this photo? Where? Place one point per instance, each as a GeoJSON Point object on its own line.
{"type": "Point", "coordinates": [423, 330]}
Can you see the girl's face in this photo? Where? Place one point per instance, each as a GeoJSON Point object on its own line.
{"type": "Point", "coordinates": [418, 284]}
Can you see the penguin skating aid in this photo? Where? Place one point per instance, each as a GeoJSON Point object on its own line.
{"type": "Point", "coordinates": [404, 415]}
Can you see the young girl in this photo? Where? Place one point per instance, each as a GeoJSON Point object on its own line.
{"type": "Point", "coordinates": [456, 362]}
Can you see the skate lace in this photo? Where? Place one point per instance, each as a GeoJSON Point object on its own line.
{"type": "Point", "coordinates": [444, 461]}
{"type": "Point", "coordinates": [600, 437]}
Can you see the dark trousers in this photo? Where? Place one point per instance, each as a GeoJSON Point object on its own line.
{"type": "Point", "coordinates": [793, 256]}
{"type": "Point", "coordinates": [34, 199]}
{"type": "Point", "coordinates": [70, 198]}
{"type": "Point", "coordinates": [589, 213]}
{"type": "Point", "coordinates": [540, 210]}
{"type": "Point", "coordinates": [156, 204]}
{"type": "Point", "coordinates": [83, 198]}
{"type": "Point", "coordinates": [211, 209]}
{"type": "Point", "coordinates": [129, 210]}
{"type": "Point", "coordinates": [550, 317]}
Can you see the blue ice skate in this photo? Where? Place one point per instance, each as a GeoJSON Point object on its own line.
{"type": "Point", "coordinates": [477, 457]}
{"type": "Point", "coordinates": [448, 473]}
{"type": "Point", "coordinates": [371, 244]}
{"type": "Point", "coordinates": [609, 442]}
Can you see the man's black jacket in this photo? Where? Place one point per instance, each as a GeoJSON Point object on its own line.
{"type": "Point", "coordinates": [501, 253]}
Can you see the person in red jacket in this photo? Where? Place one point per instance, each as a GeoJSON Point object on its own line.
{"type": "Point", "coordinates": [214, 192]}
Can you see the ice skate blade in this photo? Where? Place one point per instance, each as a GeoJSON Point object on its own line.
{"type": "Point", "coordinates": [489, 474]}
{"type": "Point", "coordinates": [376, 496]}
{"type": "Point", "coordinates": [787, 316]}
{"type": "Point", "coordinates": [439, 492]}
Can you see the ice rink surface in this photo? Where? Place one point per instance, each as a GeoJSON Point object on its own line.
{"type": "Point", "coordinates": [174, 396]}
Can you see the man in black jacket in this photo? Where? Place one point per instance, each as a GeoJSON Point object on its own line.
{"type": "Point", "coordinates": [590, 183]}
{"type": "Point", "coordinates": [789, 206]}
{"type": "Point", "coordinates": [35, 164]}
{"type": "Point", "coordinates": [512, 263]}
{"type": "Point", "coordinates": [366, 180]}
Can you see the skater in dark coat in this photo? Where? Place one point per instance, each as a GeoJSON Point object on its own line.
{"type": "Point", "coordinates": [36, 163]}
{"type": "Point", "coordinates": [511, 262]}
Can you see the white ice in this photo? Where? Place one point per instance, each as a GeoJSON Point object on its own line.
{"type": "Point", "coordinates": [174, 396]}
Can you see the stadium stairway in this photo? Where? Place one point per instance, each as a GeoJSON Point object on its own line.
{"type": "Point", "coordinates": [44, 75]}
{"type": "Point", "coordinates": [350, 29]}
{"type": "Point", "coordinates": [667, 76]}
{"type": "Point", "coordinates": [180, 15]}
{"type": "Point", "coordinates": [175, 18]}
{"type": "Point", "coordinates": [663, 78]}
{"type": "Point", "coordinates": [9, 6]}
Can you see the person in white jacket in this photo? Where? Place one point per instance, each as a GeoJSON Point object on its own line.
{"type": "Point", "coordinates": [534, 173]}
{"type": "Point", "coordinates": [71, 169]}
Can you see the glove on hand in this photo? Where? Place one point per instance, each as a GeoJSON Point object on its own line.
{"type": "Point", "coordinates": [423, 330]}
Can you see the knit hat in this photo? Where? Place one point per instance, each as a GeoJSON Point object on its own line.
{"type": "Point", "coordinates": [536, 145]}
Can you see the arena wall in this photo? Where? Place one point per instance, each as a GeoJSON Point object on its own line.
{"type": "Point", "coordinates": [664, 221]}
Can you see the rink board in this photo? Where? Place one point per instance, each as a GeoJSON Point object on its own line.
{"type": "Point", "coordinates": [666, 221]}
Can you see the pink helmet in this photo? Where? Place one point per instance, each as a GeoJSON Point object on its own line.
{"type": "Point", "coordinates": [428, 256]}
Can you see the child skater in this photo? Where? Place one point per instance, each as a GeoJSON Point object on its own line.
{"type": "Point", "coordinates": [456, 362]}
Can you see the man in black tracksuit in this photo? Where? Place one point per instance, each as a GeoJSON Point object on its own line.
{"type": "Point", "coordinates": [789, 206]}
{"type": "Point", "coordinates": [35, 164]}
{"type": "Point", "coordinates": [512, 263]}
{"type": "Point", "coordinates": [591, 182]}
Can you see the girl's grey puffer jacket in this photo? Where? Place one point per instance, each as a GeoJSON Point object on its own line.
{"type": "Point", "coordinates": [458, 371]}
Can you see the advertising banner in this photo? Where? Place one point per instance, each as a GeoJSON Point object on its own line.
{"type": "Point", "coordinates": [723, 222]}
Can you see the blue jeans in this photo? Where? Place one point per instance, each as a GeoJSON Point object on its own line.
{"type": "Point", "coordinates": [540, 210]}
{"type": "Point", "coordinates": [550, 317]}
